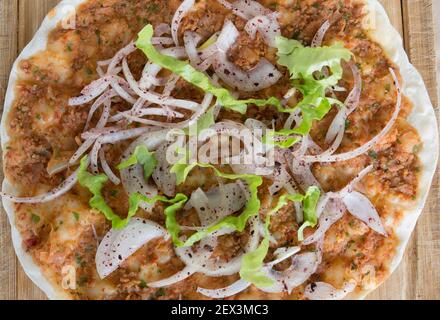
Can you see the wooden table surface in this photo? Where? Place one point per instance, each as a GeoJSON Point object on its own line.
{"type": "Point", "coordinates": [416, 278]}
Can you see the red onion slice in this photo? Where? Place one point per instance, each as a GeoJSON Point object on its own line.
{"type": "Point", "coordinates": [107, 170]}
{"type": "Point", "coordinates": [362, 208]}
{"type": "Point", "coordinates": [118, 245]}
{"type": "Point", "coordinates": [163, 41]}
{"type": "Point", "coordinates": [302, 268]}
{"type": "Point", "coordinates": [62, 189]}
{"type": "Point", "coordinates": [121, 54]}
{"type": "Point", "coordinates": [245, 9]}
{"type": "Point", "coordinates": [217, 203]}
{"type": "Point", "coordinates": [268, 27]}
{"type": "Point", "coordinates": [236, 11]}
{"type": "Point", "coordinates": [133, 177]}
{"type": "Point", "coordinates": [177, 19]}
{"type": "Point", "coordinates": [251, 8]}
{"type": "Point", "coordinates": [162, 176]}
{"type": "Point", "coordinates": [334, 211]}
{"type": "Point", "coordinates": [191, 39]}
{"type": "Point", "coordinates": [369, 145]}
{"type": "Point", "coordinates": [162, 29]}
{"type": "Point", "coordinates": [325, 291]}
{"type": "Point", "coordinates": [201, 259]}
{"type": "Point", "coordinates": [319, 36]}
{"type": "Point", "coordinates": [91, 91]}
{"type": "Point", "coordinates": [229, 291]}
{"type": "Point", "coordinates": [350, 105]}
{"type": "Point", "coordinates": [153, 97]}
{"type": "Point", "coordinates": [261, 77]}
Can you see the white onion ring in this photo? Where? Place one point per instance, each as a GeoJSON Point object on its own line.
{"type": "Point", "coordinates": [62, 189]}
{"type": "Point", "coordinates": [162, 175]}
{"type": "Point", "coordinates": [201, 260]}
{"type": "Point", "coordinates": [177, 19]}
{"type": "Point", "coordinates": [319, 36]}
{"type": "Point", "coordinates": [369, 145]}
{"type": "Point", "coordinates": [133, 177]}
{"type": "Point", "coordinates": [350, 105]}
{"type": "Point", "coordinates": [260, 77]}
{"type": "Point", "coordinates": [268, 27]}
{"type": "Point", "coordinates": [107, 170]}
{"type": "Point", "coordinates": [362, 208]}
{"type": "Point", "coordinates": [118, 245]}
{"type": "Point", "coordinates": [325, 291]}
{"type": "Point", "coordinates": [229, 291]}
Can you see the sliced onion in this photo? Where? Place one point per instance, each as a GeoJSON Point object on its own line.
{"type": "Point", "coordinates": [228, 36]}
{"type": "Point", "coordinates": [217, 203]}
{"type": "Point", "coordinates": [118, 245]}
{"type": "Point", "coordinates": [162, 175]}
{"type": "Point", "coordinates": [177, 19]}
{"type": "Point", "coordinates": [133, 177]}
{"type": "Point", "coordinates": [362, 208]}
{"type": "Point", "coordinates": [369, 145]}
{"type": "Point", "coordinates": [175, 278]}
{"type": "Point", "coordinates": [334, 211]}
{"type": "Point", "coordinates": [236, 11]}
{"type": "Point", "coordinates": [92, 91]}
{"type": "Point", "coordinates": [303, 174]}
{"type": "Point", "coordinates": [82, 150]}
{"type": "Point", "coordinates": [350, 105]}
{"type": "Point", "coordinates": [57, 168]}
{"type": "Point", "coordinates": [350, 187]}
{"type": "Point", "coordinates": [268, 27]}
{"type": "Point", "coordinates": [260, 77]}
{"type": "Point", "coordinates": [201, 259]}
{"type": "Point", "coordinates": [245, 9]}
{"type": "Point", "coordinates": [153, 97]}
{"type": "Point", "coordinates": [121, 54]}
{"type": "Point", "coordinates": [302, 268]}
{"type": "Point", "coordinates": [161, 29]}
{"type": "Point", "coordinates": [325, 291]}
{"type": "Point", "coordinates": [251, 8]}
{"type": "Point", "coordinates": [319, 36]}
{"type": "Point", "coordinates": [191, 39]}
{"type": "Point", "coordinates": [162, 41]}
{"type": "Point", "coordinates": [280, 178]}
{"type": "Point", "coordinates": [107, 170]}
{"type": "Point", "coordinates": [62, 189]}
{"type": "Point", "coordinates": [103, 99]}
{"type": "Point", "coordinates": [229, 291]}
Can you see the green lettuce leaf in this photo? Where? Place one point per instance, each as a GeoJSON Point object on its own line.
{"type": "Point", "coordinates": [141, 156]}
{"type": "Point", "coordinates": [95, 183]}
{"type": "Point", "coordinates": [186, 71]}
{"type": "Point", "coordinates": [309, 207]}
{"type": "Point", "coordinates": [305, 65]}
{"type": "Point", "coordinates": [253, 261]}
{"type": "Point", "coordinates": [237, 223]}
{"type": "Point", "coordinates": [305, 62]}
{"type": "Point", "coordinates": [204, 122]}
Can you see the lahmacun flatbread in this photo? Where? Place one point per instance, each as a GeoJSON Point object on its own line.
{"type": "Point", "coordinates": [215, 150]}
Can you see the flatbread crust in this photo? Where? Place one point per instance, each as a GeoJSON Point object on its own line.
{"type": "Point", "coordinates": [380, 29]}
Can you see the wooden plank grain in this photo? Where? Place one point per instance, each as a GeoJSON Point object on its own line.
{"type": "Point", "coordinates": [8, 52]}
{"type": "Point", "coordinates": [31, 13]}
{"type": "Point", "coordinates": [419, 35]}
